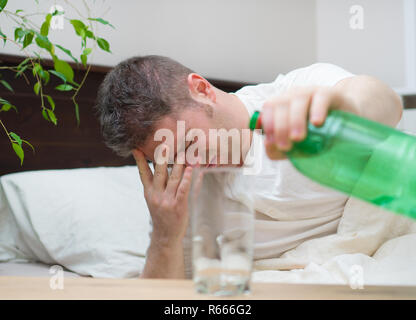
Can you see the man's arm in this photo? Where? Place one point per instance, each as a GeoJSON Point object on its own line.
{"type": "Point", "coordinates": [374, 99]}
{"type": "Point", "coordinates": [167, 199]}
{"type": "Point", "coordinates": [164, 261]}
{"type": "Point", "coordinates": [285, 117]}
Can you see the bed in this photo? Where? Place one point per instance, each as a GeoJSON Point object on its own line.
{"type": "Point", "coordinates": [63, 152]}
{"type": "Point", "coordinates": [78, 206]}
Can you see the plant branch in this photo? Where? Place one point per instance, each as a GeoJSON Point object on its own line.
{"type": "Point", "coordinates": [8, 136]}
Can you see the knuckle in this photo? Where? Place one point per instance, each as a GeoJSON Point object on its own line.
{"type": "Point", "coordinates": [155, 198]}
{"type": "Point", "coordinates": [158, 173]}
{"type": "Point", "coordinates": [322, 92]}
{"type": "Point", "coordinates": [267, 105]}
{"type": "Point", "coordinates": [174, 178]}
{"type": "Point", "coordinates": [176, 205]}
{"type": "Point", "coordinates": [165, 205]}
{"type": "Point", "coordinates": [147, 194]}
{"type": "Point", "coordinates": [180, 195]}
{"type": "Point", "coordinates": [300, 96]}
{"type": "Point", "coordinates": [281, 127]}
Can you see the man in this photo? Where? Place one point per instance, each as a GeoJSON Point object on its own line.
{"type": "Point", "coordinates": [143, 95]}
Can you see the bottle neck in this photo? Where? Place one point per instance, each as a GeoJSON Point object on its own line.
{"type": "Point", "coordinates": [317, 139]}
{"type": "Point", "coordinates": [255, 121]}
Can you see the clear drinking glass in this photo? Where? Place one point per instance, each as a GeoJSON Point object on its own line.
{"type": "Point", "coordinates": [222, 219]}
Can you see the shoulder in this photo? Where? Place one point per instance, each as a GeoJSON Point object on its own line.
{"type": "Point", "coordinates": [317, 74]}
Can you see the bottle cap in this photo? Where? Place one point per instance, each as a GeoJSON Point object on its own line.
{"type": "Point", "coordinates": [253, 120]}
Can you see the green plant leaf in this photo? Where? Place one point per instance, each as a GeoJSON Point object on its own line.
{"type": "Point", "coordinates": [52, 117]}
{"type": "Point", "coordinates": [36, 69]}
{"type": "Point", "coordinates": [7, 106]}
{"type": "Point", "coordinates": [7, 85]}
{"type": "Point", "coordinates": [45, 76]}
{"type": "Point", "coordinates": [16, 138]}
{"type": "Point", "coordinates": [28, 39]}
{"type": "Point", "coordinates": [48, 18]}
{"type": "Point", "coordinates": [103, 44]}
{"type": "Point", "coordinates": [79, 27]}
{"type": "Point", "coordinates": [51, 102]}
{"type": "Point", "coordinates": [21, 71]}
{"type": "Point", "coordinates": [64, 87]}
{"type": "Point", "coordinates": [4, 37]}
{"type": "Point", "coordinates": [58, 74]}
{"type": "Point", "coordinates": [23, 63]}
{"type": "Point", "coordinates": [64, 68]}
{"type": "Point", "coordinates": [37, 55]}
{"type": "Point", "coordinates": [28, 143]}
{"type": "Point", "coordinates": [44, 29]}
{"type": "Point", "coordinates": [90, 35]}
{"type": "Point", "coordinates": [87, 51]}
{"type": "Point", "coordinates": [2, 4]}
{"type": "Point", "coordinates": [45, 114]}
{"type": "Point", "coordinates": [18, 34]}
{"type": "Point", "coordinates": [68, 52]}
{"type": "Point", "coordinates": [36, 88]}
{"type": "Point", "coordinates": [84, 59]}
{"type": "Point", "coordinates": [19, 151]}
{"type": "Point", "coordinates": [44, 43]}
{"type": "Point", "coordinates": [102, 21]}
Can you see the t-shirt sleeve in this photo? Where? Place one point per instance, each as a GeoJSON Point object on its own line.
{"type": "Point", "coordinates": [318, 74]}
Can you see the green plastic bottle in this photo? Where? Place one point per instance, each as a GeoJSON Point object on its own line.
{"type": "Point", "coordinates": [362, 158]}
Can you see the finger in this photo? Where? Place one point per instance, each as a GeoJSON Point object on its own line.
{"type": "Point", "coordinates": [298, 114]}
{"type": "Point", "coordinates": [145, 173]}
{"type": "Point", "coordinates": [176, 175]}
{"type": "Point", "coordinates": [267, 121]}
{"type": "Point", "coordinates": [185, 185]}
{"type": "Point", "coordinates": [273, 152]}
{"type": "Point", "coordinates": [161, 168]}
{"type": "Point", "coordinates": [321, 102]}
{"type": "Point", "coordinates": [281, 127]}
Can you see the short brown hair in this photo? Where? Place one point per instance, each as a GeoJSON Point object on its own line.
{"type": "Point", "coordinates": [135, 95]}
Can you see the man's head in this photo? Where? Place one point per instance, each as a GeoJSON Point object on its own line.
{"type": "Point", "coordinates": [144, 94]}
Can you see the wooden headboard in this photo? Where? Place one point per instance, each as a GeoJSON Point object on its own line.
{"type": "Point", "coordinates": [65, 145]}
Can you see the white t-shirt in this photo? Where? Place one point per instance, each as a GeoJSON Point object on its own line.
{"type": "Point", "coordinates": [290, 208]}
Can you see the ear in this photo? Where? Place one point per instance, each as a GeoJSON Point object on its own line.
{"type": "Point", "coordinates": [200, 89]}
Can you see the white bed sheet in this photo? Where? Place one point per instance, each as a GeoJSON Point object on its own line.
{"type": "Point", "coordinates": [30, 269]}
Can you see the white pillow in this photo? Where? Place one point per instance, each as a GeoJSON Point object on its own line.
{"type": "Point", "coordinates": [93, 221]}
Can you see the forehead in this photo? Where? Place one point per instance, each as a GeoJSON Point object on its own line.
{"type": "Point", "coordinates": [176, 126]}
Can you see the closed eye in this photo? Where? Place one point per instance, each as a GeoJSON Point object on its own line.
{"type": "Point", "coordinates": [189, 143]}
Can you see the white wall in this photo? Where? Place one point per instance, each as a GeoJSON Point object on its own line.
{"type": "Point", "coordinates": [241, 40]}
{"type": "Point", "coordinates": [252, 40]}
{"type": "Point", "coordinates": [379, 49]}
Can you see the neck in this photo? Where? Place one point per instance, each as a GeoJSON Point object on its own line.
{"type": "Point", "coordinates": [237, 117]}
{"type": "Point", "coordinates": [237, 114]}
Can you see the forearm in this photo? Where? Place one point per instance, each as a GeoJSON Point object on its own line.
{"type": "Point", "coordinates": [374, 99]}
{"type": "Point", "coordinates": [164, 261]}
